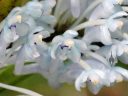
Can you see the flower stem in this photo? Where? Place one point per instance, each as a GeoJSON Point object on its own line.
{"type": "Point", "coordinates": [57, 8]}
{"type": "Point", "coordinates": [93, 5]}
{"type": "Point", "coordinates": [84, 65]}
{"type": "Point", "coordinates": [21, 90]}
{"type": "Point", "coordinates": [89, 24]}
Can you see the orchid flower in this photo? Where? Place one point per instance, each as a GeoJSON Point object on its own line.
{"type": "Point", "coordinates": [112, 52]}
{"type": "Point", "coordinates": [97, 76]}
{"type": "Point", "coordinates": [94, 79]}
{"type": "Point", "coordinates": [103, 31]}
{"type": "Point", "coordinates": [101, 12]}
{"type": "Point", "coordinates": [66, 46]}
{"type": "Point", "coordinates": [86, 61]}
{"type": "Point", "coordinates": [117, 74]}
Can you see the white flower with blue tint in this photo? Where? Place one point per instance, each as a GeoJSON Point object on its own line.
{"type": "Point", "coordinates": [117, 50]}
{"type": "Point", "coordinates": [103, 31]}
{"type": "Point", "coordinates": [94, 78]}
{"type": "Point", "coordinates": [31, 33]}
{"type": "Point", "coordinates": [101, 12]}
{"type": "Point", "coordinates": [99, 76]}
{"type": "Point", "coordinates": [67, 47]}
{"type": "Point", "coordinates": [116, 74]}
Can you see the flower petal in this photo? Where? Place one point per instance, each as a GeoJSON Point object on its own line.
{"type": "Point", "coordinates": [53, 51]}
{"type": "Point", "coordinates": [22, 29]}
{"type": "Point", "coordinates": [124, 58]}
{"type": "Point", "coordinates": [122, 71]}
{"type": "Point", "coordinates": [49, 19]}
{"type": "Point", "coordinates": [75, 8]}
{"type": "Point", "coordinates": [120, 50]}
{"type": "Point", "coordinates": [80, 81]}
{"type": "Point", "coordinates": [81, 45]}
{"type": "Point", "coordinates": [94, 88]}
{"type": "Point", "coordinates": [70, 33]}
{"type": "Point", "coordinates": [118, 14]}
{"type": "Point", "coordinates": [74, 55]}
{"type": "Point", "coordinates": [105, 35]}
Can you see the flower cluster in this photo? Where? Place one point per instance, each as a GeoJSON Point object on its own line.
{"type": "Point", "coordinates": [89, 61]}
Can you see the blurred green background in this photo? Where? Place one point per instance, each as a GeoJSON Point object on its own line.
{"type": "Point", "coordinates": [36, 82]}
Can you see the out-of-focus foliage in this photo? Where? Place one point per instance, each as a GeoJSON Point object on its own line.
{"type": "Point", "coordinates": [39, 84]}
{"type": "Point", "coordinates": [34, 82]}
{"type": "Point", "coordinates": [7, 5]}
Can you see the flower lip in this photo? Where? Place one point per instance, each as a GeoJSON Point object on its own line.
{"type": "Point", "coordinates": [12, 26]}
{"type": "Point", "coordinates": [19, 18]}
{"type": "Point", "coordinates": [93, 79]}
{"type": "Point", "coordinates": [38, 38]}
{"type": "Point", "coordinates": [120, 24]}
{"type": "Point", "coordinates": [69, 43]}
{"type": "Point", "coordinates": [63, 46]}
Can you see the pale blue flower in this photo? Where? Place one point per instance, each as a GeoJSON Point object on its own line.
{"type": "Point", "coordinates": [70, 73]}
{"type": "Point", "coordinates": [101, 12]}
{"type": "Point", "coordinates": [66, 47]}
{"type": "Point", "coordinates": [94, 78]}
{"type": "Point", "coordinates": [99, 76]}
{"type": "Point", "coordinates": [75, 7]}
{"type": "Point", "coordinates": [117, 50]}
{"type": "Point", "coordinates": [103, 31]}
{"type": "Point", "coordinates": [117, 74]}
{"type": "Point", "coordinates": [90, 61]}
